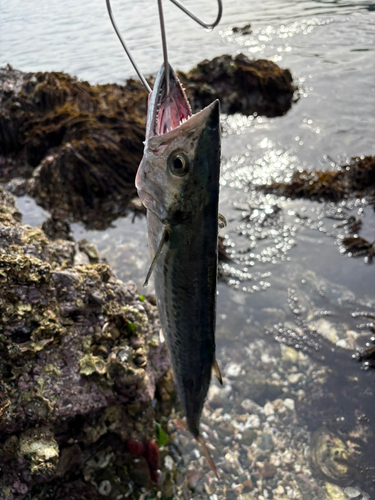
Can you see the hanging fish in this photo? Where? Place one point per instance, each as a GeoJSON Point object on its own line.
{"type": "Point", "coordinates": [178, 183]}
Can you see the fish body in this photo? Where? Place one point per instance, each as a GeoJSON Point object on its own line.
{"type": "Point", "coordinates": [178, 182]}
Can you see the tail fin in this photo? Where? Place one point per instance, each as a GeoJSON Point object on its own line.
{"type": "Point", "coordinates": [207, 454]}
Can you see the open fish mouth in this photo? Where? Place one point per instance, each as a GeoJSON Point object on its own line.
{"type": "Point", "coordinates": [170, 110]}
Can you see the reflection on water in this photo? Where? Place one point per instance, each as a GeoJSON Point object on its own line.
{"type": "Point", "coordinates": [287, 279]}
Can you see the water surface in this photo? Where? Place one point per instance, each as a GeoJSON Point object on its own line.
{"type": "Point", "coordinates": [287, 273]}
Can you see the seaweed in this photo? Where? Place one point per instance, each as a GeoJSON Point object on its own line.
{"type": "Point", "coordinates": [241, 85]}
{"type": "Point", "coordinates": [354, 179]}
{"type": "Point", "coordinates": [75, 147]}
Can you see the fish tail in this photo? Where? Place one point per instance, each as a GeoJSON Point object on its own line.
{"type": "Point", "coordinates": [207, 454]}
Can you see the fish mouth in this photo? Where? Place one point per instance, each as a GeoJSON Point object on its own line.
{"type": "Point", "coordinates": [145, 196]}
{"type": "Point", "coordinates": [169, 109]}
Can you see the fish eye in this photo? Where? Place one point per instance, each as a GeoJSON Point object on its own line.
{"type": "Point", "coordinates": [178, 164]}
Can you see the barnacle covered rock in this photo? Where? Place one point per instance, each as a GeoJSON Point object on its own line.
{"type": "Point", "coordinates": [329, 455]}
{"type": "Point", "coordinates": [71, 341]}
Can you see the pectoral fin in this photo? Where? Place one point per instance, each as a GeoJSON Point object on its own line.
{"type": "Point", "coordinates": [222, 221]}
{"type": "Point", "coordinates": [217, 372]}
{"type": "Point", "coordinates": [164, 239]}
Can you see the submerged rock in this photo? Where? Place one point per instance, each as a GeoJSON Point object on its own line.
{"type": "Point", "coordinates": [329, 455]}
{"type": "Point", "coordinates": [355, 179]}
{"type": "Point", "coordinates": [70, 381]}
{"type": "Point", "coordinates": [75, 147]}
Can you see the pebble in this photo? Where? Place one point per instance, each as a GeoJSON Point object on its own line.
{"type": "Point", "coordinates": [334, 492]}
{"type": "Point", "coordinates": [279, 490]}
{"type": "Point", "coordinates": [248, 436]}
{"type": "Point", "coordinates": [254, 421]}
{"type": "Point", "coordinates": [233, 370]}
{"type": "Point", "coordinates": [290, 355]}
{"type": "Point", "coordinates": [351, 492]}
{"type": "Point", "coordinates": [249, 406]}
{"type": "Point", "coordinates": [326, 329]}
{"type": "Point", "coordinates": [105, 488]}
{"type": "Point", "coordinates": [343, 343]}
{"type": "Point", "coordinates": [168, 462]}
{"type": "Point", "coordinates": [294, 378]}
{"type": "Point", "coordinates": [289, 404]}
{"type": "Point", "coordinates": [268, 409]}
{"type": "Point", "coordinates": [266, 442]}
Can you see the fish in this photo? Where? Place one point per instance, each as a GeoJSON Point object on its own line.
{"type": "Point", "coordinates": [178, 183]}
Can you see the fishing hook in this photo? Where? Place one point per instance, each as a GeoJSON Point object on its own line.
{"type": "Point", "coordinates": [199, 21]}
{"type": "Point", "coordinates": [142, 78]}
{"type": "Point", "coordinates": [163, 35]}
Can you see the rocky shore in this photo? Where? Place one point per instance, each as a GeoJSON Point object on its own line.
{"type": "Point", "coordinates": [75, 147]}
{"type": "Point", "coordinates": [80, 364]}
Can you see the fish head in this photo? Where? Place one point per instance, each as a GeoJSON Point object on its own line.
{"type": "Point", "coordinates": [179, 172]}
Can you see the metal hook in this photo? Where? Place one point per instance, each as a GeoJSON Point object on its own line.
{"type": "Point", "coordinates": [164, 43]}
{"type": "Point", "coordinates": [142, 78]}
{"type": "Point", "coordinates": [163, 35]}
{"type": "Point", "coordinates": [199, 21]}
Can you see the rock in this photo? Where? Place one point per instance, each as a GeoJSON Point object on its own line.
{"type": "Point", "coordinates": [248, 436]}
{"type": "Point", "coordinates": [326, 329]}
{"type": "Point", "coordinates": [289, 404]}
{"type": "Point", "coordinates": [334, 492]}
{"type": "Point", "coordinates": [76, 147]}
{"type": "Point", "coordinates": [242, 85]}
{"type": "Point", "coordinates": [356, 178]}
{"type": "Point", "coordinates": [81, 144]}
{"type": "Point", "coordinates": [233, 370]}
{"type": "Point", "coordinates": [351, 492]}
{"type": "Point", "coordinates": [289, 355]}
{"type": "Point", "coordinates": [65, 380]}
{"type": "Point", "coordinates": [294, 378]}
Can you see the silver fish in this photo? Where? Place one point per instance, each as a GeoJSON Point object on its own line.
{"type": "Point", "coordinates": [178, 183]}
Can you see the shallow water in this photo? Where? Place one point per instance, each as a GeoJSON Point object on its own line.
{"type": "Point", "coordinates": [287, 275]}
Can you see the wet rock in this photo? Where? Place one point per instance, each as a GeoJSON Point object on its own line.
{"type": "Point", "coordinates": [352, 493]}
{"type": "Point", "coordinates": [81, 144]}
{"type": "Point", "coordinates": [57, 229]}
{"type": "Point", "coordinates": [42, 450]}
{"type": "Point", "coordinates": [356, 246]}
{"type": "Point", "coordinates": [334, 492]}
{"type": "Point", "coordinates": [356, 178]}
{"type": "Point", "coordinates": [89, 249]}
{"type": "Point", "coordinates": [242, 85]}
{"type": "Point", "coordinates": [267, 470]}
{"type": "Point", "coordinates": [66, 388]}
{"type": "Point", "coordinates": [367, 356]}
{"type": "Point", "coordinates": [242, 30]}
{"type": "Point", "coordinates": [330, 457]}
{"type": "Point", "coordinates": [326, 329]}
{"type": "Point", "coordinates": [75, 147]}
